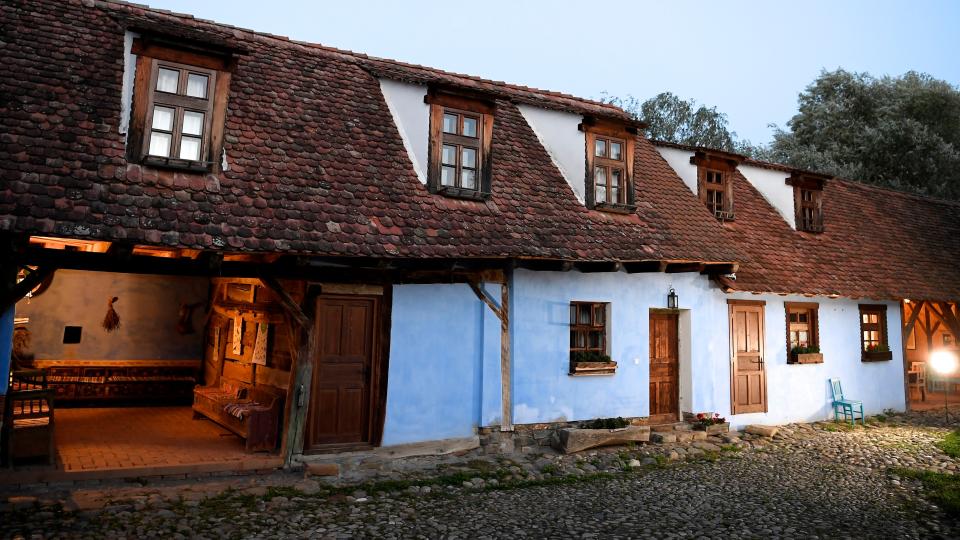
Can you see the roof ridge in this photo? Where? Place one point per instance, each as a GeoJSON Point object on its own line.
{"type": "Point", "coordinates": [363, 56]}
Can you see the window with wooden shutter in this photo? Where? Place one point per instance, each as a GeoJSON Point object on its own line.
{"type": "Point", "coordinates": [461, 133]}
{"type": "Point", "coordinates": [179, 107]}
{"type": "Point", "coordinates": [715, 177]}
{"type": "Point", "coordinates": [873, 333]}
{"type": "Point", "coordinates": [609, 168]}
{"type": "Point", "coordinates": [808, 200]}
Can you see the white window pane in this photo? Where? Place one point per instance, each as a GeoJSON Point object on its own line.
{"type": "Point", "coordinates": [163, 118]}
{"type": "Point", "coordinates": [469, 127]}
{"type": "Point", "coordinates": [615, 194]}
{"type": "Point", "coordinates": [600, 176]}
{"type": "Point", "coordinates": [197, 85]}
{"type": "Point", "coordinates": [159, 144]}
{"type": "Point", "coordinates": [615, 177]}
{"type": "Point", "coordinates": [601, 193]}
{"type": "Point", "coordinates": [615, 151]}
{"type": "Point", "coordinates": [449, 155]}
{"type": "Point", "coordinates": [190, 148]}
{"type": "Point", "coordinates": [448, 176]}
{"type": "Point", "coordinates": [167, 80]}
{"type": "Point", "coordinates": [468, 179]}
{"type": "Point", "coordinates": [450, 123]}
{"type": "Point", "coordinates": [192, 123]}
{"type": "Point", "coordinates": [468, 158]}
{"type": "Point", "coordinates": [600, 148]}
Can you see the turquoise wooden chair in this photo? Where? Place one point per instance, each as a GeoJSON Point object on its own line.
{"type": "Point", "coordinates": [847, 407]}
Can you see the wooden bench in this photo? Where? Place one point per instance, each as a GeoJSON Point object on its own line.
{"type": "Point", "coordinates": [251, 412]}
{"type": "Point", "coordinates": [28, 418]}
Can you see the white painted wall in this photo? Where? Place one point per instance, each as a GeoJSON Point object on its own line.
{"type": "Point", "coordinates": [412, 117]}
{"type": "Point", "coordinates": [679, 160]}
{"type": "Point", "coordinates": [771, 184]}
{"type": "Point", "coordinates": [558, 132]}
{"type": "Point", "coordinates": [126, 89]}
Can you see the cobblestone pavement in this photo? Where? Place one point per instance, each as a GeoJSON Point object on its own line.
{"type": "Point", "coordinates": [806, 481]}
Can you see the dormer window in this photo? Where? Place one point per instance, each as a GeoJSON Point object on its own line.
{"type": "Point", "coordinates": [179, 106]}
{"type": "Point", "coordinates": [460, 137]}
{"type": "Point", "coordinates": [715, 174]}
{"type": "Point", "coordinates": [808, 200]}
{"type": "Point", "coordinates": [609, 179]}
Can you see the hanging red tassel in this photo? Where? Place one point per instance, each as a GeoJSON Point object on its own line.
{"type": "Point", "coordinates": [112, 321]}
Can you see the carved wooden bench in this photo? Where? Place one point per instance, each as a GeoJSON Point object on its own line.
{"type": "Point", "coordinates": [252, 413]}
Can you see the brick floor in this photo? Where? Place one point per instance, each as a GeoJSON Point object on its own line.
{"type": "Point", "coordinates": [115, 438]}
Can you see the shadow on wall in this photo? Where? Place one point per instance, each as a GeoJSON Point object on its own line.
{"type": "Point", "coordinates": [148, 307]}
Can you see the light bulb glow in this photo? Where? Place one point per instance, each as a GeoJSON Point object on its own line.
{"type": "Point", "coordinates": [943, 362]}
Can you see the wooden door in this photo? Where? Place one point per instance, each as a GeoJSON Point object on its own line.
{"type": "Point", "coordinates": [748, 377]}
{"type": "Point", "coordinates": [664, 369]}
{"type": "Point", "coordinates": [340, 397]}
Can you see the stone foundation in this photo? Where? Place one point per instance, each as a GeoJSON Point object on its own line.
{"type": "Point", "coordinates": [530, 438]}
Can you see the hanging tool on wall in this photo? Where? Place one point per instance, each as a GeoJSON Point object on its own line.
{"type": "Point", "coordinates": [111, 321]}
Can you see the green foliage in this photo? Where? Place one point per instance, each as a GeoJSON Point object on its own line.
{"type": "Point", "coordinates": [589, 356]}
{"type": "Point", "coordinates": [675, 120]}
{"type": "Point", "coordinates": [878, 347]}
{"type": "Point", "coordinates": [805, 350]}
{"type": "Point", "coordinates": [951, 444]}
{"type": "Point", "coordinates": [899, 132]}
{"type": "Point", "coordinates": [607, 423]}
{"type": "Point", "coordinates": [942, 489]}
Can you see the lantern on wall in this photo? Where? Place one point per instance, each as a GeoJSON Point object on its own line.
{"type": "Point", "coordinates": [672, 300]}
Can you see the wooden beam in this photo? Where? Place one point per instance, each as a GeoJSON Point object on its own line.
{"type": "Point", "coordinates": [944, 312]}
{"type": "Point", "coordinates": [545, 265]}
{"type": "Point", "coordinates": [914, 315]}
{"type": "Point", "coordinates": [298, 396]}
{"type": "Point", "coordinates": [482, 295]}
{"type": "Point", "coordinates": [635, 267]}
{"type": "Point", "coordinates": [18, 291]}
{"type": "Point", "coordinates": [719, 268]}
{"type": "Point", "coordinates": [598, 266]}
{"type": "Point", "coordinates": [676, 268]}
{"type": "Point", "coordinates": [287, 301]}
{"type": "Point", "coordinates": [506, 400]}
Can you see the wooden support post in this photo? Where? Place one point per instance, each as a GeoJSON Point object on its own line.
{"type": "Point", "coordinates": [914, 315]}
{"type": "Point", "coordinates": [298, 389]}
{"type": "Point", "coordinates": [503, 313]}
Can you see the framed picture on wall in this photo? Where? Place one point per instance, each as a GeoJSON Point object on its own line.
{"type": "Point", "coordinates": [948, 340]}
{"type": "Point", "coordinates": [912, 340]}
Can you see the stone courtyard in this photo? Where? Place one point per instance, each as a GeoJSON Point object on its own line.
{"type": "Point", "coordinates": [804, 481]}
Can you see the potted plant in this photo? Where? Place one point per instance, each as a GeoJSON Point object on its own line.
{"type": "Point", "coordinates": [711, 423]}
{"type": "Point", "coordinates": [591, 363]}
{"type": "Point", "coordinates": [876, 352]}
{"type": "Point", "coordinates": [806, 355]}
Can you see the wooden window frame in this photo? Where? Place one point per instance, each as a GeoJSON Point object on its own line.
{"type": "Point", "coordinates": [592, 326]}
{"type": "Point", "coordinates": [813, 327]}
{"type": "Point", "coordinates": [151, 57]}
{"type": "Point", "coordinates": [594, 129]}
{"type": "Point", "coordinates": [804, 182]}
{"type": "Point", "coordinates": [716, 163]}
{"type": "Point", "coordinates": [881, 326]}
{"type": "Point", "coordinates": [483, 109]}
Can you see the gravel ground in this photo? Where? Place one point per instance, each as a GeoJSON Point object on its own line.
{"type": "Point", "coordinates": [807, 481]}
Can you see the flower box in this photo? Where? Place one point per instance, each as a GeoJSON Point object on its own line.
{"type": "Point", "coordinates": [713, 429]}
{"type": "Point", "coordinates": [876, 356]}
{"type": "Point", "coordinates": [806, 358]}
{"type": "Point", "coordinates": [592, 368]}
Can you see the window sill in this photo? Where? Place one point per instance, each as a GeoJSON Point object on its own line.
{"type": "Point", "coordinates": [806, 358]}
{"type": "Point", "coordinates": [461, 193]}
{"type": "Point", "coordinates": [615, 208]}
{"type": "Point", "coordinates": [580, 369]}
{"type": "Point", "coordinates": [178, 164]}
{"type": "Point", "coordinates": [876, 356]}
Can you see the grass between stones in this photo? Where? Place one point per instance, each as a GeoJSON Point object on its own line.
{"type": "Point", "coordinates": [951, 444]}
{"type": "Point", "coordinates": [943, 489]}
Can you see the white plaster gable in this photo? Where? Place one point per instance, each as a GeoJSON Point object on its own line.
{"type": "Point", "coordinates": [772, 185]}
{"type": "Point", "coordinates": [126, 89]}
{"type": "Point", "coordinates": [412, 118]}
{"type": "Point", "coordinates": [679, 161]}
{"type": "Point", "coordinates": [559, 134]}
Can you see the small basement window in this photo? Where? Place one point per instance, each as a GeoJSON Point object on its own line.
{"type": "Point", "coordinates": [590, 338]}
{"type": "Point", "coordinates": [803, 333]}
{"type": "Point", "coordinates": [873, 333]}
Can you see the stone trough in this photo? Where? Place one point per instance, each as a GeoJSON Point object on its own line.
{"type": "Point", "coordinates": [577, 439]}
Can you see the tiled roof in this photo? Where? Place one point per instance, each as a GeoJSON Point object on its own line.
{"type": "Point", "coordinates": [316, 164]}
{"type": "Point", "coordinates": [877, 243]}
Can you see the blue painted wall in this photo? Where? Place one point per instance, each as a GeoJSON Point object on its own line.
{"type": "Point", "coordinates": [6, 347]}
{"type": "Point", "coordinates": [444, 374]}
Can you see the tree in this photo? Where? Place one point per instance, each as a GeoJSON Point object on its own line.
{"type": "Point", "coordinates": [672, 119]}
{"type": "Point", "coordinates": [900, 132]}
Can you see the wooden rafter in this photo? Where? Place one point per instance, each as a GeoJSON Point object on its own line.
{"type": "Point", "coordinates": [914, 316]}
{"type": "Point", "coordinates": [18, 291]}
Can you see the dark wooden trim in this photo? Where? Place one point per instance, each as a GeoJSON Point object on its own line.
{"type": "Point", "coordinates": [10, 296]}
{"type": "Point", "coordinates": [598, 266]}
{"type": "Point", "coordinates": [615, 208]}
{"type": "Point", "coordinates": [720, 161]}
{"type": "Point", "coordinates": [720, 268]}
{"type": "Point", "coordinates": [644, 266]}
{"type": "Point", "coordinates": [286, 301]}
{"type": "Point", "coordinates": [734, 302]}
{"type": "Point", "coordinates": [381, 372]}
{"type": "Point", "coordinates": [677, 268]}
{"type": "Point", "coordinates": [466, 102]}
{"type": "Point", "coordinates": [153, 48]}
{"type": "Point", "coordinates": [627, 187]}
{"type": "Point", "coordinates": [813, 308]}
{"type": "Point", "coordinates": [545, 265]}
{"type": "Point", "coordinates": [881, 310]}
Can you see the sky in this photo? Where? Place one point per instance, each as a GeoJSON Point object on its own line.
{"type": "Point", "coordinates": [750, 59]}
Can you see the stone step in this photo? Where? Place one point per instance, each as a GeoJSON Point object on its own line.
{"type": "Point", "coordinates": [678, 426]}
